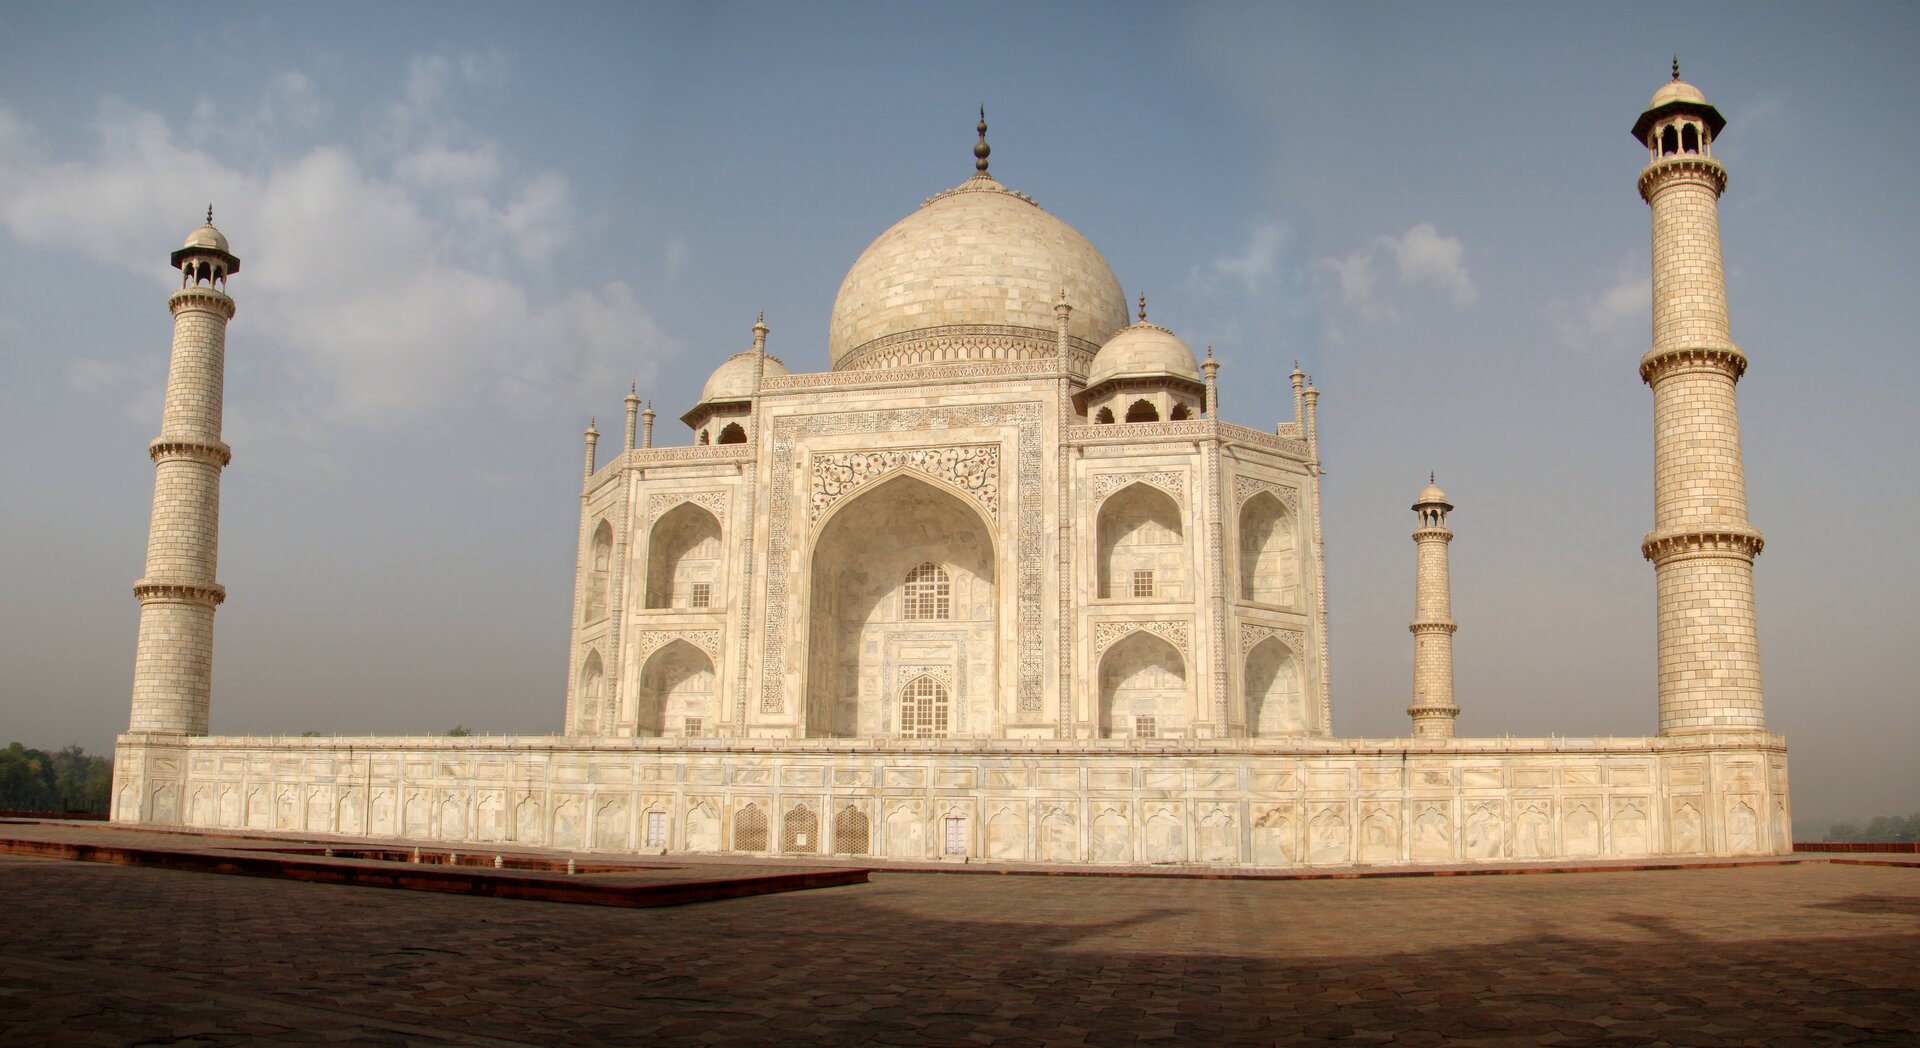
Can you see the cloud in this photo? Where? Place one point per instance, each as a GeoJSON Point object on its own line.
{"type": "Point", "coordinates": [396, 274]}
{"type": "Point", "coordinates": [1614, 319]}
{"type": "Point", "coordinates": [1255, 269]}
{"type": "Point", "coordinates": [1420, 257]}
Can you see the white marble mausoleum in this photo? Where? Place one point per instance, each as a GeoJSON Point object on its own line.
{"type": "Point", "coordinates": [1001, 583]}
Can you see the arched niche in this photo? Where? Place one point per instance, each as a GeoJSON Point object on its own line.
{"type": "Point", "coordinates": [593, 695]}
{"type": "Point", "coordinates": [1139, 530]}
{"type": "Point", "coordinates": [1269, 554]}
{"type": "Point", "coordinates": [1275, 691]}
{"type": "Point", "coordinates": [1143, 411]}
{"type": "Point", "coordinates": [871, 627]}
{"type": "Point", "coordinates": [733, 433]}
{"type": "Point", "coordinates": [1143, 689]}
{"type": "Point", "coordinates": [684, 550]}
{"type": "Point", "coordinates": [676, 693]}
{"type": "Point", "coordinates": [599, 572]}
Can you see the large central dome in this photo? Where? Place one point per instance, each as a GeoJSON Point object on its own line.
{"type": "Point", "coordinates": [973, 275]}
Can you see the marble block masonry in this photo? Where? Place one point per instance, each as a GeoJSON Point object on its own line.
{"type": "Point", "coordinates": [1002, 583]}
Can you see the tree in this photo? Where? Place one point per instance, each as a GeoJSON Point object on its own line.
{"type": "Point", "coordinates": [460, 731]}
{"type": "Point", "coordinates": [70, 780]}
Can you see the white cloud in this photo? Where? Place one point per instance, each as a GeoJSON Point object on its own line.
{"type": "Point", "coordinates": [1420, 257]}
{"type": "Point", "coordinates": [1425, 257]}
{"type": "Point", "coordinates": [1255, 269]}
{"type": "Point", "coordinates": [1614, 319]}
{"type": "Point", "coordinates": [394, 273]}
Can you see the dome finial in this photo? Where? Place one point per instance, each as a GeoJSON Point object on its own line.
{"type": "Point", "coordinates": [1430, 479]}
{"type": "Point", "coordinates": [1676, 66]}
{"type": "Point", "coordinates": [209, 214]}
{"type": "Point", "coordinates": [1143, 307]}
{"type": "Point", "coordinates": [981, 150]}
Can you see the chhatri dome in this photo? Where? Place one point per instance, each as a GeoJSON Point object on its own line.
{"type": "Point", "coordinates": [974, 274]}
{"type": "Point", "coordinates": [733, 380]}
{"type": "Point", "coordinates": [1143, 350]}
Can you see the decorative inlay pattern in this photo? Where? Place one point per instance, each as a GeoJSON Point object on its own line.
{"type": "Point", "coordinates": [1028, 537]}
{"type": "Point", "coordinates": [1245, 488]}
{"type": "Point", "coordinates": [691, 453]}
{"type": "Point", "coordinates": [965, 343]}
{"type": "Point", "coordinates": [713, 501]}
{"type": "Point", "coordinates": [706, 640]}
{"type": "Point", "coordinates": [943, 674]}
{"type": "Point", "coordinates": [1106, 634]}
{"type": "Point", "coordinates": [1172, 483]}
{"type": "Point", "coordinates": [973, 468]}
{"type": "Point", "coordinates": [1252, 633]}
{"type": "Point", "coordinates": [862, 378]}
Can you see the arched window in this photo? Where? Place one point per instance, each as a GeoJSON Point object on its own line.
{"type": "Point", "coordinates": [599, 573]}
{"type": "Point", "coordinates": [703, 437]}
{"type": "Point", "coordinates": [593, 693]}
{"type": "Point", "coordinates": [923, 709]}
{"type": "Point", "coordinates": [929, 593]}
{"type": "Point", "coordinates": [1689, 139]}
{"type": "Point", "coordinates": [1669, 141]}
{"type": "Point", "coordinates": [733, 434]}
{"type": "Point", "coordinates": [1180, 414]}
{"type": "Point", "coordinates": [851, 835]}
{"type": "Point", "coordinates": [1104, 416]}
{"type": "Point", "coordinates": [683, 554]}
{"type": "Point", "coordinates": [1143, 411]}
{"type": "Point", "coordinates": [750, 829]}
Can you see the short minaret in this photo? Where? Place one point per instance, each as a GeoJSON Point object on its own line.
{"type": "Point", "coordinates": [593, 441]}
{"type": "Point", "coordinates": [633, 411]}
{"type": "Point", "coordinates": [1701, 545]}
{"type": "Point", "coordinates": [1433, 709]}
{"type": "Point", "coordinates": [646, 425]}
{"type": "Point", "coordinates": [1212, 369]}
{"type": "Point", "coordinates": [173, 659]}
{"type": "Point", "coordinates": [1299, 380]}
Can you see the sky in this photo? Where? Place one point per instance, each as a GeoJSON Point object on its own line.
{"type": "Point", "coordinates": [466, 228]}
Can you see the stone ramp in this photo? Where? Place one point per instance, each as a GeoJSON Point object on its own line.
{"type": "Point", "coordinates": [503, 875]}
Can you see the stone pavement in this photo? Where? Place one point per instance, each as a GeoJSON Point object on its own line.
{"type": "Point", "coordinates": [1814, 953]}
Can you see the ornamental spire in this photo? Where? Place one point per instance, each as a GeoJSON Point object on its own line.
{"type": "Point", "coordinates": [981, 150]}
{"type": "Point", "coordinates": [1676, 67]}
{"type": "Point", "coordinates": [1143, 307]}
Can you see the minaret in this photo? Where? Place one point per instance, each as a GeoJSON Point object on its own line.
{"type": "Point", "coordinates": [1432, 627]}
{"type": "Point", "coordinates": [646, 426]}
{"type": "Point", "coordinates": [173, 659]}
{"type": "Point", "coordinates": [593, 440]}
{"type": "Point", "coordinates": [633, 412]}
{"type": "Point", "coordinates": [1701, 545]}
{"type": "Point", "coordinates": [1212, 368]}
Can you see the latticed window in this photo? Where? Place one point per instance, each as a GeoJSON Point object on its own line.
{"type": "Point", "coordinates": [923, 709]}
{"type": "Point", "coordinates": [929, 593]}
{"type": "Point", "coordinates": [1146, 728]}
{"type": "Point", "coordinates": [656, 829]}
{"type": "Point", "coordinates": [750, 829]}
{"type": "Point", "coordinates": [702, 595]}
{"type": "Point", "coordinates": [694, 727]}
{"type": "Point", "coordinates": [1143, 583]}
{"type": "Point", "coordinates": [850, 831]}
{"type": "Point", "coordinates": [800, 830]}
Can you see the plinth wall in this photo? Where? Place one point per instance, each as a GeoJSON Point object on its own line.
{"type": "Point", "coordinates": [1226, 803]}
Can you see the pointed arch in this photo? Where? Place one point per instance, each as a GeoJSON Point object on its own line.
{"type": "Point", "coordinates": [1180, 413]}
{"type": "Point", "coordinates": [1689, 138]}
{"type": "Point", "coordinates": [852, 833]}
{"type": "Point", "coordinates": [1143, 688]}
{"type": "Point", "coordinates": [1143, 411]}
{"type": "Point", "coordinates": [750, 829]}
{"type": "Point", "coordinates": [1269, 552]}
{"type": "Point", "coordinates": [591, 706]}
{"type": "Point", "coordinates": [683, 552]}
{"type": "Point", "coordinates": [676, 693]}
{"type": "Point", "coordinates": [1104, 416]}
{"type": "Point", "coordinates": [1274, 691]}
{"type": "Point", "coordinates": [733, 433]}
{"type": "Point", "coordinates": [924, 708]}
{"type": "Point", "coordinates": [1669, 141]}
{"type": "Point", "coordinates": [1139, 529]}
{"type": "Point", "coordinates": [876, 565]}
{"type": "Point", "coordinates": [599, 572]}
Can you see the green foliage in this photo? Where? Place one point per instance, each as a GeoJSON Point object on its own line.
{"type": "Point", "coordinates": [309, 734]}
{"type": "Point", "coordinates": [1879, 829]}
{"type": "Point", "coordinates": [460, 731]}
{"type": "Point", "coordinates": [70, 780]}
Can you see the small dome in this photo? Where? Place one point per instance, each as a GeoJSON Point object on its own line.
{"type": "Point", "coordinates": [978, 256]}
{"type": "Point", "coordinates": [1431, 495]}
{"type": "Point", "coordinates": [733, 380]}
{"type": "Point", "coordinates": [1676, 91]}
{"type": "Point", "coordinates": [206, 237]}
{"type": "Point", "coordinates": [1143, 351]}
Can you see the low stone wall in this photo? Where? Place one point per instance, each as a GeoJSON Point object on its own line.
{"type": "Point", "coordinates": [1232, 802]}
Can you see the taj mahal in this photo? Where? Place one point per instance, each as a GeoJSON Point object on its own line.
{"type": "Point", "coordinates": [1001, 584]}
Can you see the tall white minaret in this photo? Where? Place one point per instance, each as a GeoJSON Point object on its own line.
{"type": "Point", "coordinates": [173, 660]}
{"type": "Point", "coordinates": [1433, 710]}
{"type": "Point", "coordinates": [1701, 546]}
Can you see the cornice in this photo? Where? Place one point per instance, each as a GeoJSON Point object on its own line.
{"type": "Point", "coordinates": [201, 298]}
{"type": "Point", "coordinates": [210, 593]}
{"type": "Point", "coordinates": [1731, 540]}
{"type": "Point", "coordinates": [1675, 170]}
{"type": "Point", "coordinates": [213, 451]}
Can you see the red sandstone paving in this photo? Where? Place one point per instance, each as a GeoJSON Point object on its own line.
{"type": "Point", "coordinates": [1820, 954]}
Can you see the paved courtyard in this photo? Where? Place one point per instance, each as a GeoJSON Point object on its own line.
{"type": "Point", "coordinates": [1815, 953]}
